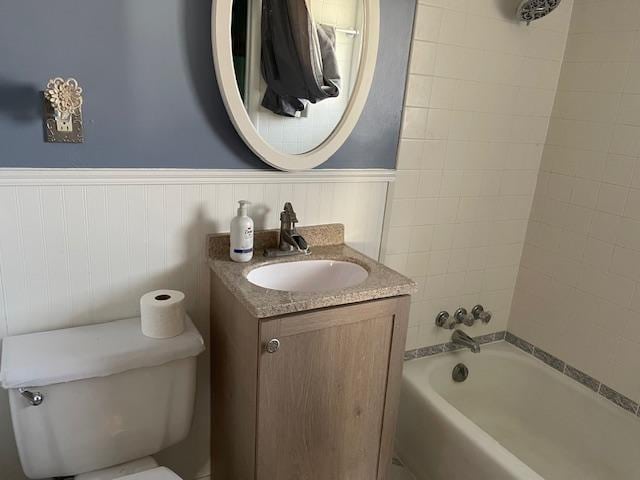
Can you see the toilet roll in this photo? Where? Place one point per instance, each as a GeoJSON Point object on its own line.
{"type": "Point", "coordinates": [162, 313]}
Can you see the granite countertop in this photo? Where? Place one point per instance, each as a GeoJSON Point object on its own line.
{"type": "Point", "coordinates": [326, 243]}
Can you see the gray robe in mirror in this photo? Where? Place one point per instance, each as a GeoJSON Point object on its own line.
{"type": "Point", "coordinates": [299, 62]}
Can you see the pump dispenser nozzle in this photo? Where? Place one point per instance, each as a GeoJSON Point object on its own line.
{"type": "Point", "coordinates": [242, 209]}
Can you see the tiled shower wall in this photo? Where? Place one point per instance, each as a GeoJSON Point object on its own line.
{"type": "Point", "coordinates": [578, 292]}
{"type": "Point", "coordinates": [480, 93]}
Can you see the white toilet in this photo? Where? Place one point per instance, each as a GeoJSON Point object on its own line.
{"type": "Point", "coordinates": [97, 401]}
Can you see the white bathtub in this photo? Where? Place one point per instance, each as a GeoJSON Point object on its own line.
{"type": "Point", "coordinates": [513, 418]}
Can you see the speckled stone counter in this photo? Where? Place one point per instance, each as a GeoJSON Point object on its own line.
{"type": "Point", "coordinates": [326, 243]}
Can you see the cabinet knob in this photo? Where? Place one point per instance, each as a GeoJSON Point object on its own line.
{"type": "Point", "coordinates": [273, 345]}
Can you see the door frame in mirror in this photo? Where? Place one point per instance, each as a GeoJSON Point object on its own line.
{"type": "Point", "coordinates": [221, 16]}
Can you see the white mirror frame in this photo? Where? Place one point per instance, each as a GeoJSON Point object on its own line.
{"type": "Point", "coordinates": [223, 58]}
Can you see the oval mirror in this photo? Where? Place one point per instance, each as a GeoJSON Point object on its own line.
{"type": "Point", "coordinates": [295, 74]}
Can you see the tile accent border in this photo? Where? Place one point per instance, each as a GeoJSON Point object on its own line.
{"type": "Point", "coordinates": [450, 347]}
{"type": "Point", "coordinates": [573, 373]}
{"type": "Point", "coordinates": [579, 376]}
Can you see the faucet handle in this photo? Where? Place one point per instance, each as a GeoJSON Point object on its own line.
{"type": "Point", "coordinates": [289, 213]}
{"type": "Point", "coordinates": [479, 313]}
{"type": "Point", "coordinates": [462, 316]}
{"type": "Point", "coordinates": [444, 320]}
{"type": "Point", "coordinates": [469, 320]}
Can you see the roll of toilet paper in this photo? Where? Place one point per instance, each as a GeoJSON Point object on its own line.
{"type": "Point", "coordinates": [162, 313]}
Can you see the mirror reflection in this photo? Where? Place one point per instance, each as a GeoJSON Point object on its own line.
{"type": "Point", "coordinates": [296, 64]}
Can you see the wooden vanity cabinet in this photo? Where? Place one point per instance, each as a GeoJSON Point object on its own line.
{"type": "Point", "coordinates": [305, 396]}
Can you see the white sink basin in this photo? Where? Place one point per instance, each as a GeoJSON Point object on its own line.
{"type": "Point", "coordinates": [308, 275]}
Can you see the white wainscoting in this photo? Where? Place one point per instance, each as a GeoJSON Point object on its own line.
{"type": "Point", "coordinates": [81, 246]}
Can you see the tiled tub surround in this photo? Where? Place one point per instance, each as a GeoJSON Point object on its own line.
{"type": "Point", "coordinates": [326, 242]}
{"type": "Point", "coordinates": [578, 291]}
{"type": "Point", "coordinates": [513, 418]}
{"type": "Point", "coordinates": [478, 100]}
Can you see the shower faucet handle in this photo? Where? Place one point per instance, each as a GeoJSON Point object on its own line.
{"type": "Point", "coordinates": [444, 320]}
{"type": "Point", "coordinates": [479, 313]}
{"type": "Point", "coordinates": [462, 316]}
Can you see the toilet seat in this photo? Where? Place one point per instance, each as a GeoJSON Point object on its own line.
{"type": "Point", "coordinates": [158, 473]}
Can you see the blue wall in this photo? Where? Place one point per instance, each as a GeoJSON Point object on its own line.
{"type": "Point", "coordinates": [151, 99]}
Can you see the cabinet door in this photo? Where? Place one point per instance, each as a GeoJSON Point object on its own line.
{"type": "Point", "coordinates": [322, 394]}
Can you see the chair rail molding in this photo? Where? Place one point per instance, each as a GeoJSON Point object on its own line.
{"type": "Point", "coordinates": [170, 176]}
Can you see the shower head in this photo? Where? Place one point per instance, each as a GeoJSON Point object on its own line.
{"type": "Point", "coordinates": [530, 10]}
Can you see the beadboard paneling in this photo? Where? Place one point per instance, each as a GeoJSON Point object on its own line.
{"type": "Point", "coordinates": [68, 252]}
{"type": "Point", "coordinates": [75, 254]}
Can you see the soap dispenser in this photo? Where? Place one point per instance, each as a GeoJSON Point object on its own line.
{"type": "Point", "coordinates": [241, 247]}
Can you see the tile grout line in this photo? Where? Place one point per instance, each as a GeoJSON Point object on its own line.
{"type": "Point", "coordinates": [548, 359]}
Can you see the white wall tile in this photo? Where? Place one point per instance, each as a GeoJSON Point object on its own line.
{"type": "Point", "coordinates": [585, 192]}
{"type": "Point", "coordinates": [418, 91]}
{"type": "Point", "coordinates": [423, 58]}
{"type": "Point", "coordinates": [612, 199]}
{"type": "Point", "coordinates": [415, 123]}
{"type": "Point", "coordinates": [619, 170]}
{"type": "Point", "coordinates": [626, 233]}
{"type": "Point", "coordinates": [427, 23]}
{"type": "Point", "coordinates": [632, 207]}
{"type": "Point", "coordinates": [604, 226]}
{"type": "Point", "coordinates": [625, 140]}
{"type": "Point", "coordinates": [410, 154]}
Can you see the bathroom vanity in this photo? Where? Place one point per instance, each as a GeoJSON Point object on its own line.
{"type": "Point", "coordinates": [305, 383]}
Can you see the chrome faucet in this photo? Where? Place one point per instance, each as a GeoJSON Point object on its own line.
{"type": "Point", "coordinates": [291, 242]}
{"type": "Point", "coordinates": [461, 338]}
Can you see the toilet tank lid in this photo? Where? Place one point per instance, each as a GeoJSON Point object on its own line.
{"type": "Point", "coordinates": [58, 356]}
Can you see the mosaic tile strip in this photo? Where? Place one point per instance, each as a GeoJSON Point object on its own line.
{"type": "Point", "coordinates": [618, 399]}
{"type": "Point", "coordinates": [588, 381]}
{"type": "Point", "coordinates": [554, 362]}
{"type": "Point", "coordinates": [450, 347]}
{"type": "Point", "coordinates": [549, 359]}
{"type": "Point", "coordinates": [520, 343]}
{"type": "Point", "coordinates": [579, 376]}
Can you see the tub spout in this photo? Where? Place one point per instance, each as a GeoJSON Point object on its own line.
{"type": "Point", "coordinates": [461, 338]}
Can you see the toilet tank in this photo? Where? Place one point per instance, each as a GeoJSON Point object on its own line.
{"type": "Point", "coordinates": [110, 395]}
